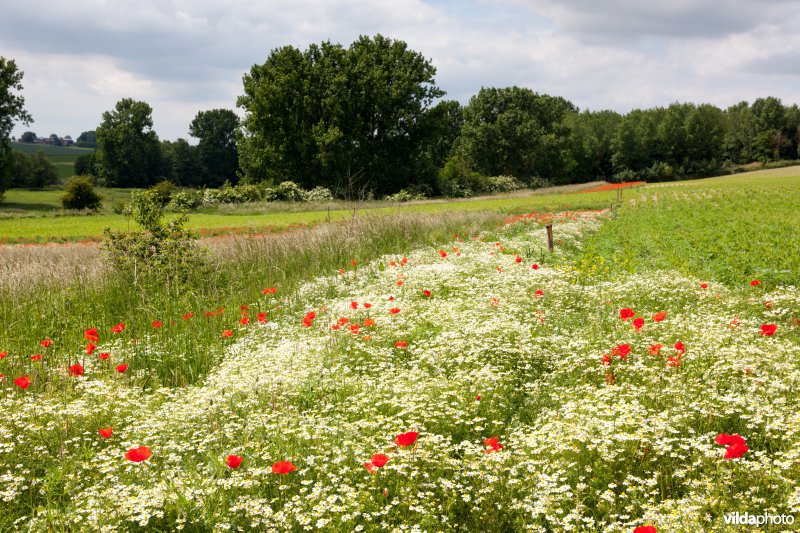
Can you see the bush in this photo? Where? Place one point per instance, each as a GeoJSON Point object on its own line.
{"type": "Point", "coordinates": [319, 194]}
{"type": "Point", "coordinates": [458, 180]}
{"type": "Point", "coordinates": [80, 194]}
{"type": "Point", "coordinates": [403, 196]}
{"type": "Point", "coordinates": [185, 200]}
{"type": "Point", "coordinates": [287, 191]}
{"type": "Point", "coordinates": [499, 184]}
{"type": "Point", "coordinates": [163, 191]}
{"type": "Point", "coordinates": [624, 175]}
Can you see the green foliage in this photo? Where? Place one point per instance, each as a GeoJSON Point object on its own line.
{"type": "Point", "coordinates": [87, 139]}
{"type": "Point", "coordinates": [403, 196]}
{"type": "Point", "coordinates": [163, 191]}
{"type": "Point", "coordinates": [28, 137]}
{"type": "Point", "coordinates": [181, 164]}
{"type": "Point", "coordinates": [216, 151]}
{"type": "Point", "coordinates": [11, 110]}
{"type": "Point", "coordinates": [185, 200]}
{"type": "Point", "coordinates": [79, 194]}
{"type": "Point", "coordinates": [128, 152]}
{"type": "Point", "coordinates": [319, 194]}
{"type": "Point", "coordinates": [458, 180]}
{"type": "Point", "coordinates": [348, 119]}
{"type": "Point", "coordinates": [162, 253]}
{"type": "Point", "coordinates": [286, 191]}
{"type": "Point", "coordinates": [85, 165]}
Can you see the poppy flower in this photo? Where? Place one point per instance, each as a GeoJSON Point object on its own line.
{"type": "Point", "coordinates": [704, 285]}
{"type": "Point", "coordinates": [353, 262]}
{"type": "Point", "coordinates": [354, 329]}
{"type": "Point", "coordinates": [394, 310]}
{"type": "Point", "coordinates": [442, 253]}
{"type": "Point", "coordinates": [227, 333]}
{"type": "Point", "coordinates": [106, 432]}
{"type": "Point", "coordinates": [367, 305]}
{"type": "Point", "coordinates": [735, 445]}
{"type": "Point", "coordinates": [283, 467]}
{"type": "Point", "coordinates": [404, 261]}
{"type": "Point", "coordinates": [645, 529]}
{"type": "Point", "coordinates": [156, 324]}
{"type": "Point", "coordinates": [261, 317]}
{"type": "Point", "coordinates": [368, 323]}
{"type": "Point", "coordinates": [477, 397]}
{"type": "Point", "coordinates": [755, 283]}
{"type": "Point", "coordinates": [538, 293]}
{"type": "Point", "coordinates": [406, 439]}
{"type": "Point", "coordinates": [234, 461]}
{"type": "Point", "coordinates": [119, 328]}
{"type": "Point", "coordinates": [103, 356]}
{"type": "Point", "coordinates": [621, 350]}
{"type": "Point", "coordinates": [46, 343]}
{"type": "Point", "coordinates": [658, 317]}
{"type": "Point", "coordinates": [187, 316]}
{"type": "Point", "coordinates": [401, 344]}
{"type": "Point", "coordinates": [400, 282]}
{"type": "Point", "coordinates": [768, 330]}
{"type": "Point", "coordinates": [518, 259]}
{"type": "Point", "coordinates": [76, 370]}
{"type": "Point", "coordinates": [244, 320]}
{"type": "Point", "coordinates": [371, 468]}
{"type": "Point", "coordinates": [427, 293]}
{"type": "Point", "coordinates": [680, 348]}
{"type": "Point", "coordinates": [269, 290]}
{"type": "Point", "coordinates": [674, 361]}
{"type": "Point", "coordinates": [638, 323]}
{"type": "Point", "coordinates": [137, 455]}
{"type": "Point", "coordinates": [343, 320]}
{"type": "Point", "coordinates": [36, 357]}
{"type": "Point", "coordinates": [606, 360]}
{"type": "Point", "coordinates": [23, 383]}
{"type": "Point", "coordinates": [121, 368]}
{"type": "Point", "coordinates": [493, 445]}
{"type": "Point", "coordinates": [91, 335]}
{"type": "Point", "coordinates": [354, 305]}
{"type": "Point", "coordinates": [3, 355]}
{"type": "Point", "coordinates": [90, 348]}
{"type": "Point", "coordinates": [626, 313]}
{"type": "Point", "coordinates": [379, 460]}
{"type": "Point", "coordinates": [655, 349]}
{"type": "Point", "coordinates": [535, 266]}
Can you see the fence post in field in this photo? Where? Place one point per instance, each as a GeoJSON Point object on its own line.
{"type": "Point", "coordinates": [619, 196]}
{"type": "Point", "coordinates": [549, 228]}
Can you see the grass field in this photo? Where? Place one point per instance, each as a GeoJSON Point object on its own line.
{"type": "Point", "coordinates": [63, 157]}
{"type": "Point", "coordinates": [436, 369]}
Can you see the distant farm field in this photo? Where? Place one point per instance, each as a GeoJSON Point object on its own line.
{"type": "Point", "coordinates": [63, 157]}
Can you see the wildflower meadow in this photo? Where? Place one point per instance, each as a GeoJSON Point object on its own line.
{"type": "Point", "coordinates": [470, 382]}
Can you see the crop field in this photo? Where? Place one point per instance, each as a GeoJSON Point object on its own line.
{"type": "Point", "coordinates": [428, 368]}
{"type": "Point", "coordinates": [63, 157]}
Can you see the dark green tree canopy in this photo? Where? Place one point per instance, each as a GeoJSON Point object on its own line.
{"type": "Point", "coordinates": [128, 152]}
{"type": "Point", "coordinates": [28, 137]}
{"type": "Point", "coordinates": [343, 118]}
{"type": "Point", "coordinates": [216, 150]}
{"type": "Point", "coordinates": [12, 109]}
{"type": "Point", "coordinates": [87, 139]}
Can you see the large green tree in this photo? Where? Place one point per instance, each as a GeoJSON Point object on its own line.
{"type": "Point", "coordinates": [216, 150]}
{"type": "Point", "coordinates": [515, 131]}
{"type": "Point", "coordinates": [351, 119]}
{"type": "Point", "coordinates": [12, 109]}
{"type": "Point", "coordinates": [128, 152]}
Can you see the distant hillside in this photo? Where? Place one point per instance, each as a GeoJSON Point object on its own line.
{"type": "Point", "coordinates": [63, 157]}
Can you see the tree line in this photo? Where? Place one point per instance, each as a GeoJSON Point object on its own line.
{"type": "Point", "coordinates": [369, 118]}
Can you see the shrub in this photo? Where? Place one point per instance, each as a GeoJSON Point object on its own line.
{"type": "Point", "coordinates": [403, 196]}
{"type": "Point", "coordinates": [185, 200]}
{"type": "Point", "coordinates": [624, 175]}
{"type": "Point", "coordinates": [457, 179]}
{"type": "Point", "coordinates": [319, 194]}
{"type": "Point", "coordinates": [286, 191]}
{"type": "Point", "coordinates": [79, 194]}
{"type": "Point", "coordinates": [498, 184]}
{"type": "Point", "coordinates": [163, 191]}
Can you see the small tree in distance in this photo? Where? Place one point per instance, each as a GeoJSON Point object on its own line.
{"type": "Point", "coordinates": [80, 194]}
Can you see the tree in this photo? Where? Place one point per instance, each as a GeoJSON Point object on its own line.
{"type": "Point", "coordinates": [128, 152]}
{"type": "Point", "coordinates": [42, 172]}
{"type": "Point", "coordinates": [28, 137]}
{"type": "Point", "coordinates": [181, 164]}
{"type": "Point", "coordinates": [79, 194]}
{"type": "Point", "coordinates": [344, 118]}
{"type": "Point", "coordinates": [515, 131]}
{"type": "Point", "coordinates": [55, 140]}
{"type": "Point", "coordinates": [11, 110]}
{"type": "Point", "coordinates": [84, 165]}
{"type": "Point", "coordinates": [216, 130]}
{"type": "Point", "coordinates": [87, 139]}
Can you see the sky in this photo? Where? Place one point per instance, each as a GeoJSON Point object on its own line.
{"type": "Point", "coordinates": [184, 56]}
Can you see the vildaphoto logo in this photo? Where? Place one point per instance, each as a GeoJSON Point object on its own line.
{"type": "Point", "coordinates": [747, 519]}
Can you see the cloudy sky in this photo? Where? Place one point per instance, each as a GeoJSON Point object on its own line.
{"type": "Point", "coordinates": [182, 56]}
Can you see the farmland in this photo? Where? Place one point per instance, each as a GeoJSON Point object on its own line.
{"type": "Point", "coordinates": [63, 157]}
{"type": "Point", "coordinates": [431, 365]}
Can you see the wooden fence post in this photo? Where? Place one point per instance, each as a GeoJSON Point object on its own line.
{"type": "Point", "coordinates": [549, 228]}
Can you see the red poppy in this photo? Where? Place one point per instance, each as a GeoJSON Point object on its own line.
{"type": "Point", "coordinates": [367, 305]}
{"type": "Point", "coordinates": [638, 323]}
{"type": "Point", "coordinates": [768, 330]}
{"type": "Point", "coordinates": [187, 316]}
{"type": "Point", "coordinates": [406, 439]}
{"type": "Point", "coordinates": [621, 350]}
{"type": "Point", "coordinates": [400, 282]}
{"type": "Point", "coordinates": [119, 328]}
{"type": "Point", "coordinates": [626, 313]}
{"type": "Point", "coordinates": [354, 305]}
{"type": "Point", "coordinates": [3, 355]}
{"type": "Point", "coordinates": [478, 397]}
{"type": "Point", "coordinates": [121, 368]}
{"type": "Point", "coordinates": [394, 310]}
{"type": "Point", "coordinates": [427, 293]}
{"type": "Point", "coordinates": [680, 348]}
{"type": "Point", "coordinates": [379, 460]}
{"type": "Point", "coordinates": [269, 290]}
{"type": "Point", "coordinates": [655, 349]}
{"type": "Point", "coordinates": [234, 461]}
{"type": "Point", "coordinates": [353, 262]}
{"type": "Point", "coordinates": [704, 285]}
{"type": "Point", "coordinates": [309, 318]}
{"type": "Point", "coordinates": [404, 261]}
{"type": "Point", "coordinates": [244, 320]}
{"type": "Point", "coordinates": [538, 293]}
{"type": "Point", "coordinates": [658, 317]}
{"type": "Point", "coordinates": [23, 383]}
{"type": "Point", "coordinates": [76, 370]}
{"type": "Point", "coordinates": [103, 356]}
{"type": "Point", "coordinates": [227, 333]}
{"type": "Point", "coordinates": [401, 344]}
{"type": "Point", "coordinates": [442, 253]}
{"type": "Point", "coordinates": [46, 343]}
{"type": "Point", "coordinates": [262, 317]}
{"type": "Point", "coordinates": [735, 445]}
{"type": "Point", "coordinates": [91, 335]}
{"type": "Point", "coordinates": [518, 260]}
{"type": "Point", "coordinates": [36, 357]}
{"type": "Point", "coordinates": [493, 445]}
{"type": "Point", "coordinates": [674, 361]}
{"type": "Point", "coordinates": [156, 324]}
{"type": "Point", "coordinates": [371, 468]}
{"type": "Point", "coordinates": [535, 266]}
{"type": "Point", "coordinates": [645, 529]}
{"type": "Point", "coordinates": [354, 329]}
{"type": "Point", "coordinates": [343, 320]}
{"type": "Point", "coordinates": [283, 467]}
{"type": "Point", "coordinates": [606, 360]}
{"type": "Point", "coordinates": [106, 432]}
{"type": "Point", "coordinates": [755, 283]}
{"type": "Point", "coordinates": [90, 348]}
{"type": "Point", "coordinates": [137, 455]}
